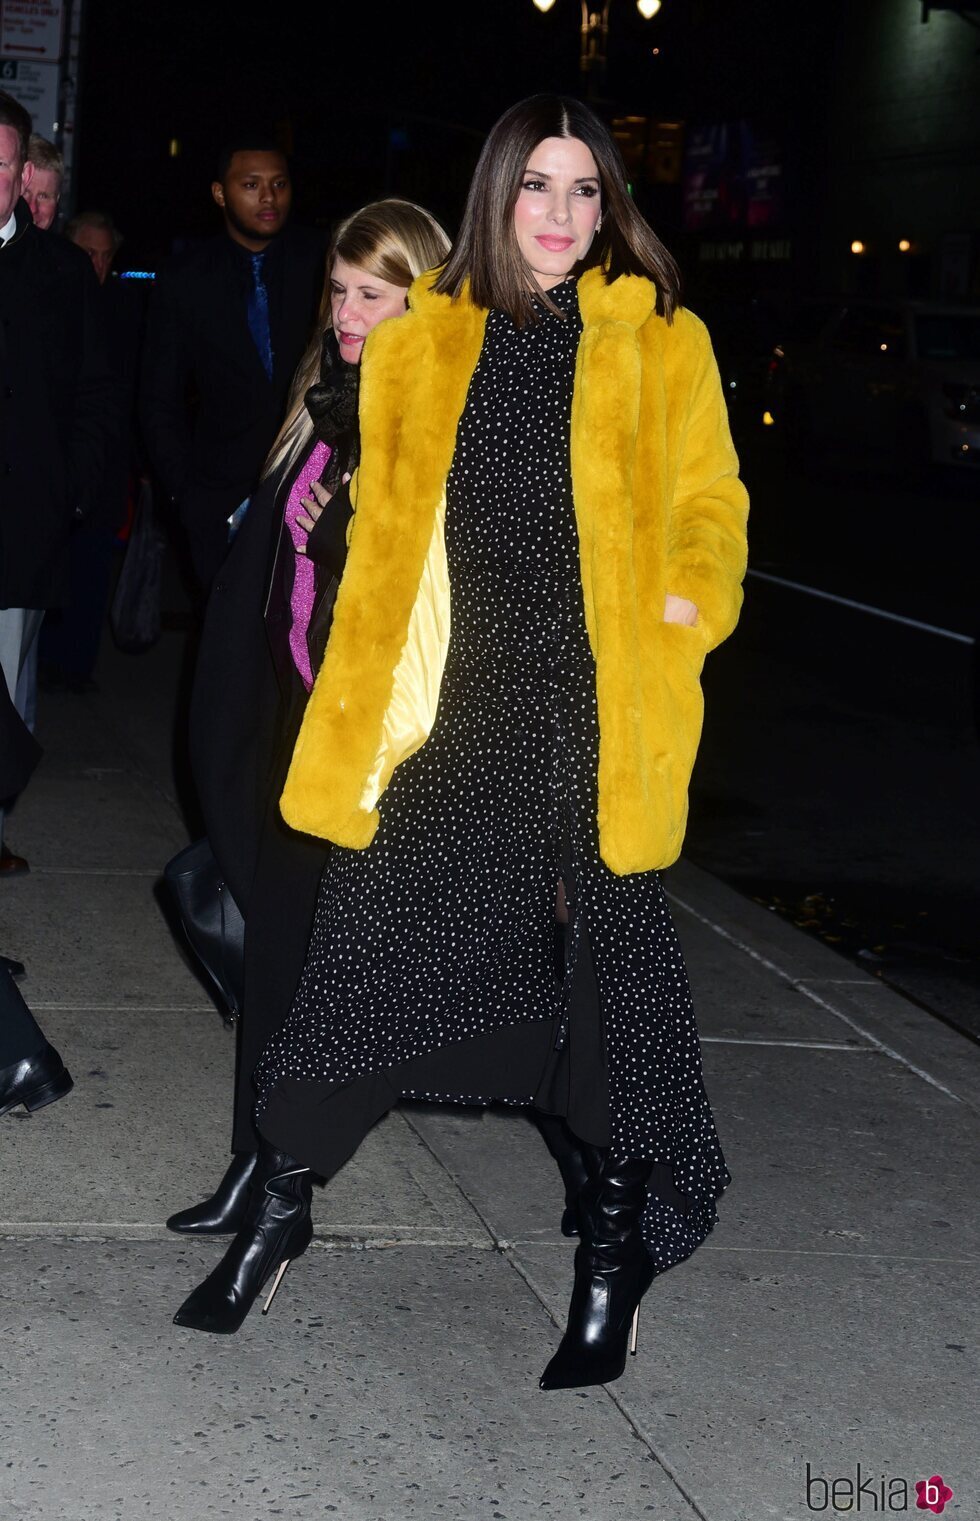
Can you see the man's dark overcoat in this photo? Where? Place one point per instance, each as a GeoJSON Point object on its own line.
{"type": "Point", "coordinates": [58, 405]}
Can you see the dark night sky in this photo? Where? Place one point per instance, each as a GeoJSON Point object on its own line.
{"type": "Point", "coordinates": [344, 75]}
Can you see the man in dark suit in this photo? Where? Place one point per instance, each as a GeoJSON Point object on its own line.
{"type": "Point", "coordinates": [57, 405]}
{"type": "Point", "coordinates": [227, 327]}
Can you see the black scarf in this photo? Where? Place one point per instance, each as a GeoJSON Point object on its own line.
{"type": "Point", "coordinates": [332, 405]}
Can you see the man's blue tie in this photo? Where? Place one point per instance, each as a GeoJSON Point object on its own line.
{"type": "Point", "coordinates": [258, 314]}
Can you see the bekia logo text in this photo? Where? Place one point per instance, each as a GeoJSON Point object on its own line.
{"type": "Point", "coordinates": [875, 1495]}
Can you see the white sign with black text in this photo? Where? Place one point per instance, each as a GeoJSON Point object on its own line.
{"type": "Point", "coordinates": [35, 86]}
{"type": "Point", "coordinates": [31, 29]}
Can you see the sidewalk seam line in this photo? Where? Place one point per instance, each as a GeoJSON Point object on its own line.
{"type": "Point", "coordinates": [515, 1244]}
{"type": "Point", "coordinates": [491, 1233]}
{"type": "Point", "coordinates": [332, 1238]}
{"type": "Point", "coordinates": [510, 1259]}
{"type": "Point", "coordinates": [137, 771]}
{"type": "Point", "coordinates": [326, 1237]}
{"type": "Point", "coordinates": [122, 1008]}
{"type": "Point", "coordinates": [612, 1396]}
{"type": "Point", "coordinates": [796, 1045]}
{"type": "Point", "coordinates": [809, 1251]}
{"type": "Point", "coordinates": [800, 986]}
{"type": "Point", "coordinates": [95, 871]}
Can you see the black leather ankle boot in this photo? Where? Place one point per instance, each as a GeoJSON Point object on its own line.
{"type": "Point", "coordinates": [577, 1162]}
{"type": "Point", "coordinates": [277, 1228]}
{"type": "Point", "coordinates": [612, 1273]}
{"type": "Point", "coordinates": [224, 1212]}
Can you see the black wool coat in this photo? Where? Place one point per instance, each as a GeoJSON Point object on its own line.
{"type": "Point", "coordinates": [208, 411]}
{"type": "Point", "coordinates": [246, 707]}
{"type": "Point", "coordinates": [58, 408]}
{"type": "Point", "coordinates": [243, 698]}
{"type": "Point", "coordinates": [248, 700]}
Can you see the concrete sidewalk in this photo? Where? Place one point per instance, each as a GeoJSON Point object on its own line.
{"type": "Point", "coordinates": [823, 1327]}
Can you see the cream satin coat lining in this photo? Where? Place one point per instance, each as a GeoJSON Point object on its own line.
{"type": "Point", "coordinates": [411, 711]}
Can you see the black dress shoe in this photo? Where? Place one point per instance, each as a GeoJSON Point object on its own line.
{"type": "Point", "coordinates": [35, 1081]}
{"type": "Point", "coordinates": [613, 1271]}
{"type": "Point", "coordinates": [8, 964]}
{"type": "Point", "coordinates": [224, 1213]}
{"type": "Point", "coordinates": [11, 865]}
{"type": "Point", "coordinates": [277, 1228]}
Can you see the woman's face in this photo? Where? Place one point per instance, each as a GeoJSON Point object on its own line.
{"type": "Point", "coordinates": [558, 208]}
{"type": "Point", "coordinates": [358, 302]}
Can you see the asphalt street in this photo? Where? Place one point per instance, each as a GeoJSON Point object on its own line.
{"type": "Point", "coordinates": [838, 776]}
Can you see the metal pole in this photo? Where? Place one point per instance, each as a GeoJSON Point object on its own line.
{"type": "Point", "coordinates": [67, 136]}
{"type": "Point", "coordinates": [595, 34]}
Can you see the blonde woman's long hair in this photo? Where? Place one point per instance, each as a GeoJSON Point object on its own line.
{"type": "Point", "coordinates": [392, 240]}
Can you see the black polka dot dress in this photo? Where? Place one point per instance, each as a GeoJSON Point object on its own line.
{"type": "Point", "coordinates": [432, 958]}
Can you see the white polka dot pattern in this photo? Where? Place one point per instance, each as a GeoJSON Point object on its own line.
{"type": "Point", "coordinates": [442, 929]}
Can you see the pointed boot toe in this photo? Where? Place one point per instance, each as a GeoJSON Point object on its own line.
{"type": "Point", "coordinates": [612, 1273]}
{"type": "Point", "coordinates": [201, 1312]}
{"type": "Point", "coordinates": [595, 1351]}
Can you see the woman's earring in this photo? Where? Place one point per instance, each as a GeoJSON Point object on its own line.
{"type": "Point", "coordinates": [598, 225]}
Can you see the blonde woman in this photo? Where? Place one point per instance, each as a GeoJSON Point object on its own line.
{"type": "Point", "coordinates": [262, 639]}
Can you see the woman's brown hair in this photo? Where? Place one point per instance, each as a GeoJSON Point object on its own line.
{"type": "Point", "coordinates": [394, 241]}
{"type": "Point", "coordinates": [487, 254]}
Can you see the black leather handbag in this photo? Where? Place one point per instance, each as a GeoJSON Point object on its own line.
{"type": "Point", "coordinates": [211, 920]}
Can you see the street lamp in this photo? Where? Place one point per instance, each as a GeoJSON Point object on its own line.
{"type": "Point", "coordinates": [595, 35]}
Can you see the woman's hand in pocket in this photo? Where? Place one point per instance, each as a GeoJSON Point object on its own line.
{"type": "Point", "coordinates": [680, 610]}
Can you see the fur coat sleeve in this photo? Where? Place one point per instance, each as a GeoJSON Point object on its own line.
{"type": "Point", "coordinates": [706, 542]}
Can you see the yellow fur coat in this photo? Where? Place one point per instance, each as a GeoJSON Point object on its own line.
{"type": "Point", "coordinates": [659, 509]}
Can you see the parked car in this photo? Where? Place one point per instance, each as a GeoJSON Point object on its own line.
{"type": "Point", "coordinates": [894, 381]}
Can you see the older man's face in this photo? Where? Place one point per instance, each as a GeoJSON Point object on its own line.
{"type": "Point", "coordinates": [15, 175]}
{"type": "Point", "coordinates": [42, 196]}
{"type": "Point", "coordinates": [97, 243]}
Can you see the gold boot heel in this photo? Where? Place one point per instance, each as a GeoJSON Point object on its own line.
{"type": "Point", "coordinates": [280, 1275]}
